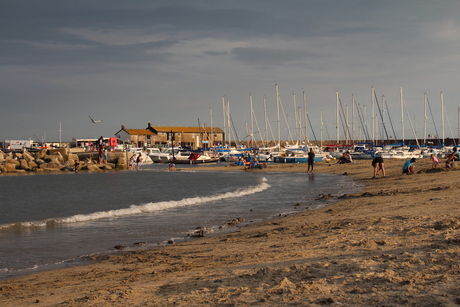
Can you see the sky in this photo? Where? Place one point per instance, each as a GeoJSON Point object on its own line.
{"type": "Point", "coordinates": [171, 62]}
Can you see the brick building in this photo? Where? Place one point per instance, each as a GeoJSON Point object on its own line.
{"type": "Point", "coordinates": [161, 136]}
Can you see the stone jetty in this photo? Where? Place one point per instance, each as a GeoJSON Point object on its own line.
{"type": "Point", "coordinates": [58, 160]}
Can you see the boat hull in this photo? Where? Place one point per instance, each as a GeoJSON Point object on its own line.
{"type": "Point", "coordinates": [198, 161]}
{"type": "Point", "coordinates": [295, 159]}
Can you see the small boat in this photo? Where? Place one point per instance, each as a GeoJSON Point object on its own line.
{"type": "Point", "coordinates": [165, 155]}
{"type": "Point", "coordinates": [145, 155]}
{"type": "Point", "coordinates": [363, 151]}
{"type": "Point", "coordinates": [195, 158]}
{"type": "Point", "coordinates": [299, 155]}
{"type": "Point", "coordinates": [400, 151]}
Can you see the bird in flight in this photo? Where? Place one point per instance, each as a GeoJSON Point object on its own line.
{"type": "Point", "coordinates": [95, 121]}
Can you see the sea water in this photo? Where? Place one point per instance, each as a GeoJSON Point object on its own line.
{"type": "Point", "coordinates": [55, 220]}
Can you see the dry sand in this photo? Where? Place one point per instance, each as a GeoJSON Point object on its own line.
{"type": "Point", "coordinates": [396, 243]}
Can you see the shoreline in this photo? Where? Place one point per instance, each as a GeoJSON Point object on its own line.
{"type": "Point", "coordinates": [394, 242]}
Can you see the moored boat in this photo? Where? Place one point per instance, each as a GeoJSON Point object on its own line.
{"type": "Point", "coordinates": [195, 158]}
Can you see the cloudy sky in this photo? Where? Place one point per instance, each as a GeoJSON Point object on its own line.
{"type": "Point", "coordinates": [171, 62]}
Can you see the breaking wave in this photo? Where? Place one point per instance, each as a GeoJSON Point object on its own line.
{"type": "Point", "coordinates": [135, 209]}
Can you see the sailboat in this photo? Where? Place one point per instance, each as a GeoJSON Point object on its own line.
{"type": "Point", "coordinates": [296, 153]}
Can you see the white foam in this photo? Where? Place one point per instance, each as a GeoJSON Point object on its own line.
{"type": "Point", "coordinates": [144, 208]}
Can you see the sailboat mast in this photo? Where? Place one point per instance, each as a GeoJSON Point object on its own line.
{"type": "Point", "coordinates": [321, 130]}
{"type": "Point", "coordinates": [373, 112]}
{"type": "Point", "coordinates": [382, 116]}
{"type": "Point", "coordinates": [337, 117]}
{"type": "Point", "coordinates": [212, 128]}
{"type": "Point", "coordinates": [365, 123]}
{"type": "Point", "coordinates": [425, 118]}
{"type": "Point", "coordinates": [278, 114]}
{"type": "Point", "coordinates": [265, 117]}
{"type": "Point", "coordinates": [352, 117]}
{"type": "Point", "coordinates": [305, 114]}
{"type": "Point", "coordinates": [401, 100]}
{"type": "Point", "coordinates": [227, 109]}
{"type": "Point", "coordinates": [296, 118]}
{"type": "Point", "coordinates": [442, 115]}
{"type": "Point", "coordinates": [347, 132]}
{"type": "Point", "coordinates": [252, 120]}
{"type": "Point", "coordinates": [225, 120]}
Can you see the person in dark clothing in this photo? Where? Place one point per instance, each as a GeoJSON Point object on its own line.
{"type": "Point", "coordinates": [378, 165]}
{"type": "Point", "coordinates": [311, 161]}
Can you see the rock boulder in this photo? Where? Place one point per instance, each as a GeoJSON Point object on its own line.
{"type": "Point", "coordinates": [40, 154]}
{"type": "Point", "coordinates": [24, 164]}
{"type": "Point", "coordinates": [51, 166]}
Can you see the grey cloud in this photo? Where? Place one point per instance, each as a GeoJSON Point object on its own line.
{"type": "Point", "coordinates": [26, 53]}
{"type": "Point", "coordinates": [42, 19]}
{"type": "Point", "coordinates": [271, 57]}
{"type": "Point", "coordinates": [215, 53]}
{"type": "Point", "coordinates": [51, 52]}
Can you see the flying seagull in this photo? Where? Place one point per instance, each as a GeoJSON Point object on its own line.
{"type": "Point", "coordinates": [95, 121]}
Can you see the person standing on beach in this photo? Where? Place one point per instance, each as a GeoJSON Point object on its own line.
{"type": "Point", "coordinates": [100, 142]}
{"type": "Point", "coordinates": [138, 162]}
{"type": "Point", "coordinates": [310, 160]}
{"type": "Point", "coordinates": [378, 165]}
{"type": "Point", "coordinates": [408, 167]}
{"type": "Point", "coordinates": [106, 155]}
{"type": "Point", "coordinates": [132, 161]}
{"type": "Point", "coordinates": [101, 154]}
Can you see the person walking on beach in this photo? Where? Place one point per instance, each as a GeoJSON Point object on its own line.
{"type": "Point", "coordinates": [408, 167]}
{"type": "Point", "coordinates": [310, 160]}
{"type": "Point", "coordinates": [378, 165]}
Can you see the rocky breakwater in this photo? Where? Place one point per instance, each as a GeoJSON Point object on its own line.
{"type": "Point", "coordinates": [58, 160]}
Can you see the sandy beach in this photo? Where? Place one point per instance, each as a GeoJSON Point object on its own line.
{"type": "Point", "coordinates": [395, 243]}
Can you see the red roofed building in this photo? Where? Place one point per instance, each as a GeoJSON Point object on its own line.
{"type": "Point", "coordinates": [161, 135]}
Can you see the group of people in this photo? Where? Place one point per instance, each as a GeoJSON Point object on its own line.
{"type": "Point", "coordinates": [135, 161]}
{"type": "Point", "coordinates": [379, 166]}
{"type": "Point", "coordinates": [345, 158]}
{"type": "Point", "coordinates": [454, 155]}
{"type": "Point", "coordinates": [254, 164]}
{"type": "Point", "coordinates": [249, 163]}
{"type": "Point", "coordinates": [408, 166]}
{"type": "Point", "coordinates": [103, 154]}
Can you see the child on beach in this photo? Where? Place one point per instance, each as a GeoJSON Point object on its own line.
{"type": "Point", "coordinates": [132, 161]}
{"type": "Point", "coordinates": [434, 161]}
{"type": "Point", "coordinates": [408, 167]}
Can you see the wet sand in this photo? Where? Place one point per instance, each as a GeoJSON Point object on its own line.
{"type": "Point", "coordinates": [395, 243]}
